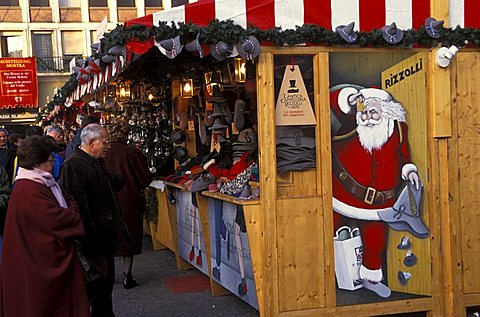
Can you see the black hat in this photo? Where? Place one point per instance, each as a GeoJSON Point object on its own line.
{"type": "Point", "coordinates": [178, 136]}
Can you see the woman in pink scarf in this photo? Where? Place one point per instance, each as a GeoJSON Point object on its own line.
{"type": "Point", "coordinates": [40, 273]}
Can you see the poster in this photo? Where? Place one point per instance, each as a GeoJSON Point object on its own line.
{"type": "Point", "coordinates": [191, 246]}
{"type": "Point", "coordinates": [293, 105]}
{"type": "Point", "coordinates": [231, 262]}
{"type": "Point", "coordinates": [18, 83]}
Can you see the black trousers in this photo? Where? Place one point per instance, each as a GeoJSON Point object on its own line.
{"type": "Point", "coordinates": [100, 277]}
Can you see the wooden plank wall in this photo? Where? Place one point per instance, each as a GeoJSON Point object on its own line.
{"type": "Point", "coordinates": [468, 170]}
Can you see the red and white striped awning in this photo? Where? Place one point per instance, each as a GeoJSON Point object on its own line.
{"type": "Point", "coordinates": [267, 14]}
{"type": "Point", "coordinates": [287, 14]}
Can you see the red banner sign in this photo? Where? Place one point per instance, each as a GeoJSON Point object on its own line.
{"type": "Point", "coordinates": [18, 83]}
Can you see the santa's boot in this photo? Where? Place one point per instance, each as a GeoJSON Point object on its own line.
{"type": "Point", "coordinates": [372, 281]}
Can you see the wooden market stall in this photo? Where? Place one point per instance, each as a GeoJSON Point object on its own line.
{"type": "Point", "coordinates": [290, 227]}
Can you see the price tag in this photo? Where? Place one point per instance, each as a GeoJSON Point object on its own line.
{"type": "Point", "coordinates": [191, 125]}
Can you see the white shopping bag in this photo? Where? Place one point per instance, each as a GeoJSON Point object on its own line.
{"type": "Point", "coordinates": [348, 250]}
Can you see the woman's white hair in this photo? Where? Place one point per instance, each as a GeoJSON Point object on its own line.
{"type": "Point", "coordinates": [90, 132]}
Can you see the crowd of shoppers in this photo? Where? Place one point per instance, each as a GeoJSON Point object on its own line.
{"type": "Point", "coordinates": [60, 239]}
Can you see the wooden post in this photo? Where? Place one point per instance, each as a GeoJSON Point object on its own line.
{"type": "Point", "coordinates": [268, 178]}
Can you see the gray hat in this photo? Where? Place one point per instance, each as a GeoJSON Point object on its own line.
{"type": "Point", "coordinates": [221, 50]}
{"type": "Point", "coordinates": [178, 136]}
{"type": "Point", "coordinates": [195, 47]}
{"type": "Point", "coordinates": [249, 48]}
{"type": "Point", "coordinates": [405, 213]}
{"type": "Point", "coordinates": [115, 50]}
{"type": "Point", "coordinates": [392, 34]}
{"type": "Point", "coordinates": [171, 47]}
{"type": "Point", "coordinates": [347, 33]}
{"type": "Point", "coordinates": [108, 59]}
{"type": "Point", "coordinates": [433, 27]}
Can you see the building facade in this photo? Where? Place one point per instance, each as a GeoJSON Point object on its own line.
{"type": "Point", "coordinates": [55, 31]}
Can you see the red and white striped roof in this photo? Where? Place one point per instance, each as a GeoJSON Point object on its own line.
{"type": "Point", "coordinates": [267, 14]}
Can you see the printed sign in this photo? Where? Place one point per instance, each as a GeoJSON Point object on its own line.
{"type": "Point", "coordinates": [18, 83]}
{"type": "Point", "coordinates": [191, 246]}
{"type": "Point", "coordinates": [293, 105]}
{"type": "Point", "coordinates": [231, 262]}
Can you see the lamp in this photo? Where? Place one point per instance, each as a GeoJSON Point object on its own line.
{"type": "Point", "coordinates": [122, 91]}
{"type": "Point", "coordinates": [240, 70]}
{"type": "Point", "coordinates": [187, 88]}
{"type": "Point", "coordinates": [444, 55]}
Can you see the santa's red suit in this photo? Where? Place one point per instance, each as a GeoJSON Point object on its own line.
{"type": "Point", "coordinates": [381, 170]}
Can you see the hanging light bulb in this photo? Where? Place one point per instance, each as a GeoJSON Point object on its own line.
{"type": "Point", "coordinates": [150, 97]}
{"type": "Point", "coordinates": [240, 70]}
{"type": "Point", "coordinates": [187, 88]}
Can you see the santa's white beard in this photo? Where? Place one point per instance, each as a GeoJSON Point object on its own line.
{"type": "Point", "coordinates": [374, 136]}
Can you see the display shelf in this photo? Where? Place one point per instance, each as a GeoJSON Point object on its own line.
{"type": "Point", "coordinates": [231, 199]}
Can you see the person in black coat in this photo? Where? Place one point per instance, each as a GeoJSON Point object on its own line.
{"type": "Point", "coordinates": [8, 152]}
{"type": "Point", "coordinates": [85, 177]}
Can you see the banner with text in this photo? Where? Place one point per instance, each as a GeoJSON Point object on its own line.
{"type": "Point", "coordinates": [18, 83]}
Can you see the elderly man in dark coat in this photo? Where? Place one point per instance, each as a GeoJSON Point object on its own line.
{"type": "Point", "coordinates": [129, 162]}
{"type": "Point", "coordinates": [86, 178]}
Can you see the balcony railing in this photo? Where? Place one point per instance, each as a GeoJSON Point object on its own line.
{"type": "Point", "coordinates": [53, 64]}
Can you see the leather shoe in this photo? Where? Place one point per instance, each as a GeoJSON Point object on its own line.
{"type": "Point", "coordinates": [128, 281]}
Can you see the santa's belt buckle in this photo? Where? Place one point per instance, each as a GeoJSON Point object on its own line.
{"type": "Point", "coordinates": [370, 195]}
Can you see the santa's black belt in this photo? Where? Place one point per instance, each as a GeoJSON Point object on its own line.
{"type": "Point", "coordinates": [369, 195]}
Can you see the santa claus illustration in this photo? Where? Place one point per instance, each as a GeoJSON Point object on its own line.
{"type": "Point", "coordinates": [370, 157]}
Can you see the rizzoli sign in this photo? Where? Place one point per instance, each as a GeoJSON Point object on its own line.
{"type": "Point", "coordinates": [404, 73]}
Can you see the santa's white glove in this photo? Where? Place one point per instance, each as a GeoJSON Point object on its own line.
{"type": "Point", "coordinates": [352, 99]}
{"type": "Point", "coordinates": [413, 179]}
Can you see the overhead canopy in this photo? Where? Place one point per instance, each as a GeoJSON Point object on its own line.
{"type": "Point", "coordinates": [272, 15]}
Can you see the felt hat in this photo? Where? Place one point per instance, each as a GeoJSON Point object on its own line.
{"type": "Point", "coordinates": [433, 27]}
{"type": "Point", "coordinates": [347, 33]}
{"type": "Point", "coordinates": [171, 47]}
{"type": "Point", "coordinates": [196, 47]}
{"type": "Point", "coordinates": [115, 50]}
{"type": "Point", "coordinates": [108, 59]}
{"type": "Point", "coordinates": [217, 95]}
{"type": "Point", "coordinates": [247, 136]}
{"type": "Point", "coordinates": [221, 50]}
{"type": "Point", "coordinates": [217, 125]}
{"type": "Point", "coordinates": [249, 48]}
{"type": "Point", "coordinates": [96, 46]}
{"type": "Point", "coordinates": [392, 34]}
{"type": "Point", "coordinates": [405, 213]}
{"type": "Point", "coordinates": [178, 136]}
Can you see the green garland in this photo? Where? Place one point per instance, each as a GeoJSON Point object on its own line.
{"type": "Point", "coordinates": [232, 33]}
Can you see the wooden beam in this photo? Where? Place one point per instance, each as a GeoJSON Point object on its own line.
{"type": "Point", "coordinates": [268, 178]}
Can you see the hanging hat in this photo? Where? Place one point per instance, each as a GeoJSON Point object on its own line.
{"type": "Point", "coordinates": [433, 27]}
{"type": "Point", "coordinates": [221, 51]}
{"type": "Point", "coordinates": [180, 153]}
{"type": "Point", "coordinates": [347, 33]}
{"type": "Point", "coordinates": [249, 48]}
{"type": "Point", "coordinates": [115, 50]}
{"type": "Point", "coordinates": [80, 62]}
{"type": "Point", "coordinates": [96, 47]}
{"type": "Point", "coordinates": [178, 136]}
{"type": "Point", "coordinates": [171, 47]}
{"type": "Point", "coordinates": [108, 59]}
{"type": "Point", "coordinates": [405, 213]}
{"type": "Point", "coordinates": [392, 34]}
{"type": "Point", "coordinates": [217, 95]}
{"type": "Point", "coordinates": [217, 111]}
{"type": "Point", "coordinates": [217, 124]}
{"type": "Point", "coordinates": [195, 47]}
